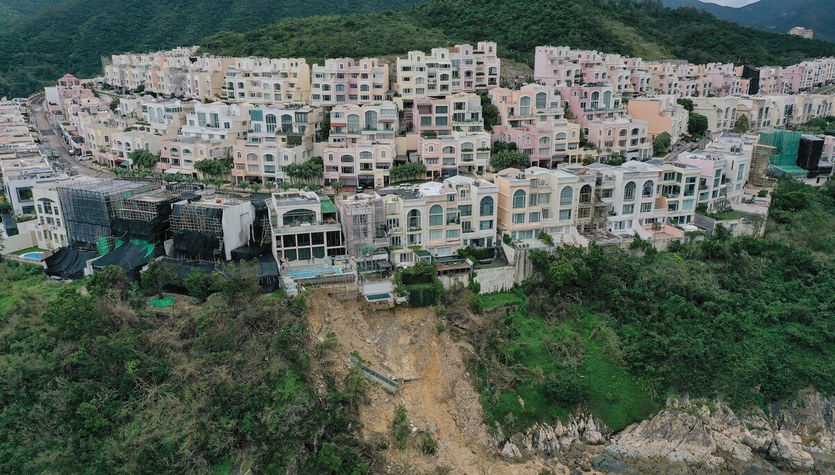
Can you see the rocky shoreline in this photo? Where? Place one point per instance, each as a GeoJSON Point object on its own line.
{"type": "Point", "coordinates": [689, 437]}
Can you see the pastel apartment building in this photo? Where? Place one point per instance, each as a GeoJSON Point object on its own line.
{"type": "Point", "coordinates": [262, 81]}
{"type": "Point", "coordinates": [662, 114]}
{"type": "Point", "coordinates": [446, 71]}
{"type": "Point", "coordinates": [361, 146]}
{"type": "Point", "coordinates": [540, 200]}
{"type": "Point", "coordinates": [631, 191]}
{"type": "Point", "coordinates": [427, 216]}
{"type": "Point", "coordinates": [125, 143]}
{"type": "Point", "coordinates": [217, 121]}
{"type": "Point", "coordinates": [349, 81]}
{"type": "Point", "coordinates": [478, 209]}
{"type": "Point", "coordinates": [162, 72]}
{"type": "Point", "coordinates": [279, 135]}
{"type": "Point", "coordinates": [532, 117]}
{"type": "Point", "coordinates": [724, 166]}
{"type": "Point", "coordinates": [305, 225]}
{"type": "Point", "coordinates": [557, 66]}
{"type": "Point", "coordinates": [206, 77]}
{"type": "Point", "coordinates": [165, 116]}
{"type": "Point", "coordinates": [179, 155]}
{"type": "Point", "coordinates": [451, 136]}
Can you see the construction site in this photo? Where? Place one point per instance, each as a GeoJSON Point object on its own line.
{"type": "Point", "coordinates": [363, 218]}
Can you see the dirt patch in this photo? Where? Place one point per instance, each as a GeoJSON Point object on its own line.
{"type": "Point", "coordinates": [435, 386]}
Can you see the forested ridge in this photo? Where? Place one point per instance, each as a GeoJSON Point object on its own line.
{"type": "Point", "coordinates": [72, 36]}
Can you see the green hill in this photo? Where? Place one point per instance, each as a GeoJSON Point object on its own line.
{"type": "Point", "coordinates": [72, 35]}
{"type": "Point", "coordinates": [635, 27]}
{"type": "Point", "coordinates": [12, 11]}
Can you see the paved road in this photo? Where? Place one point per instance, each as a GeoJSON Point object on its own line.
{"type": "Point", "coordinates": [49, 136]}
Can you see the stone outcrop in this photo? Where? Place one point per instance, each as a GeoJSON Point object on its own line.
{"type": "Point", "coordinates": [689, 438]}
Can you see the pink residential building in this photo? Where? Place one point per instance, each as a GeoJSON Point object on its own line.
{"type": "Point", "coordinates": [347, 81]}
{"type": "Point", "coordinates": [662, 114]}
{"type": "Point", "coordinates": [446, 71]}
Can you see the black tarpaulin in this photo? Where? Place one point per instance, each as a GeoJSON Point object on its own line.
{"type": "Point", "coordinates": [68, 263]}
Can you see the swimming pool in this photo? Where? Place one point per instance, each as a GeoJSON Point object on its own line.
{"type": "Point", "coordinates": [378, 297]}
{"type": "Point", "coordinates": [311, 273]}
{"type": "Point", "coordinates": [32, 256]}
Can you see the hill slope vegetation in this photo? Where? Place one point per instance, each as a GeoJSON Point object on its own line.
{"type": "Point", "coordinates": [774, 15]}
{"type": "Point", "coordinates": [635, 27]}
{"type": "Point", "coordinates": [72, 35]}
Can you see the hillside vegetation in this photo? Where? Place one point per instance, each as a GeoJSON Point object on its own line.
{"type": "Point", "coordinates": [633, 27]}
{"type": "Point", "coordinates": [103, 383]}
{"type": "Point", "coordinates": [774, 15]}
{"type": "Point", "coordinates": [747, 320]}
{"type": "Point", "coordinates": [71, 36]}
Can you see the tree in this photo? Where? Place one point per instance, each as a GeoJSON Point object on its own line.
{"type": "Point", "coordinates": [114, 104]}
{"type": "Point", "coordinates": [742, 124]}
{"type": "Point", "coordinates": [686, 103]}
{"type": "Point", "coordinates": [144, 159]}
{"type": "Point", "coordinates": [407, 171]}
{"type": "Point", "coordinates": [156, 277]}
{"type": "Point", "coordinates": [661, 144]}
{"type": "Point", "coordinates": [212, 167]}
{"type": "Point", "coordinates": [509, 159]}
{"type": "Point", "coordinates": [110, 280]}
{"type": "Point", "coordinates": [489, 112]}
{"type": "Point", "coordinates": [198, 284]}
{"type": "Point", "coordinates": [499, 146]}
{"type": "Point", "coordinates": [697, 125]}
{"type": "Point", "coordinates": [310, 171]}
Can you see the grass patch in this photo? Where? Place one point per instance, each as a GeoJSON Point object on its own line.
{"type": "Point", "coordinates": [27, 250]}
{"type": "Point", "coordinates": [542, 372]}
{"type": "Point", "coordinates": [502, 299]}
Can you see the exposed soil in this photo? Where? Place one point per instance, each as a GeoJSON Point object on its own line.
{"type": "Point", "coordinates": [435, 386]}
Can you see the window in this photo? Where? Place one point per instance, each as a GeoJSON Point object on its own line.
{"type": "Point", "coordinates": [629, 191]}
{"type": "Point", "coordinates": [628, 209]}
{"type": "Point", "coordinates": [565, 214]}
{"type": "Point", "coordinates": [519, 199]}
{"type": "Point", "coordinates": [541, 101]}
{"type": "Point", "coordinates": [371, 120]}
{"type": "Point", "coordinates": [271, 122]}
{"type": "Point", "coordinates": [649, 189]}
{"type": "Point", "coordinates": [534, 217]}
{"type": "Point", "coordinates": [646, 207]}
{"type": "Point", "coordinates": [465, 210]}
{"type": "Point", "coordinates": [606, 193]}
{"type": "Point", "coordinates": [566, 195]}
{"type": "Point", "coordinates": [436, 215]}
{"type": "Point", "coordinates": [436, 235]}
{"type": "Point", "coordinates": [413, 219]}
{"type": "Point", "coordinates": [518, 218]}
{"type": "Point", "coordinates": [453, 233]}
{"type": "Point", "coordinates": [485, 225]}
{"type": "Point", "coordinates": [525, 106]}
{"type": "Point", "coordinates": [353, 124]}
{"type": "Point", "coordinates": [486, 207]}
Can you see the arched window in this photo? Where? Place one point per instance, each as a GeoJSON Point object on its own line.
{"type": "Point", "coordinates": [271, 122]}
{"type": "Point", "coordinates": [541, 101]}
{"type": "Point", "coordinates": [636, 131]}
{"type": "Point", "coordinates": [413, 219]}
{"type": "Point", "coordinates": [269, 157]}
{"type": "Point", "coordinates": [366, 156]}
{"type": "Point", "coordinates": [622, 132]}
{"type": "Point", "coordinates": [519, 199]}
{"type": "Point", "coordinates": [649, 189]}
{"type": "Point", "coordinates": [595, 97]}
{"type": "Point", "coordinates": [346, 159]}
{"type": "Point", "coordinates": [340, 88]}
{"type": "Point", "coordinates": [444, 77]}
{"type": "Point", "coordinates": [449, 150]}
{"type": "Point", "coordinates": [277, 86]}
{"type": "Point", "coordinates": [607, 99]}
{"type": "Point", "coordinates": [566, 196]}
{"type": "Point", "coordinates": [298, 216]}
{"type": "Point", "coordinates": [364, 88]}
{"type": "Point", "coordinates": [525, 106]}
{"type": "Point", "coordinates": [326, 87]}
{"type": "Point", "coordinates": [353, 124]}
{"type": "Point", "coordinates": [486, 206]}
{"type": "Point", "coordinates": [629, 191]}
{"type": "Point", "coordinates": [371, 120]}
{"type": "Point", "coordinates": [251, 157]}
{"type": "Point", "coordinates": [560, 136]}
{"type": "Point", "coordinates": [585, 194]}
{"type": "Point", "coordinates": [436, 215]}
{"type": "Point", "coordinates": [286, 123]}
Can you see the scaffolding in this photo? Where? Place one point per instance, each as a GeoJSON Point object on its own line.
{"type": "Point", "coordinates": [364, 221]}
{"type": "Point", "coordinates": [88, 208]}
{"type": "Point", "coordinates": [197, 226]}
{"type": "Point", "coordinates": [786, 145]}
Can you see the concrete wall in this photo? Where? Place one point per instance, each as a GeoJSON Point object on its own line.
{"type": "Point", "coordinates": [27, 238]}
{"type": "Point", "coordinates": [495, 279]}
{"type": "Point", "coordinates": [450, 281]}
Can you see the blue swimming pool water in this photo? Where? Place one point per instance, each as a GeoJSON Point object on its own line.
{"type": "Point", "coordinates": [32, 256]}
{"type": "Point", "coordinates": [310, 273]}
{"type": "Point", "coordinates": [378, 297]}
